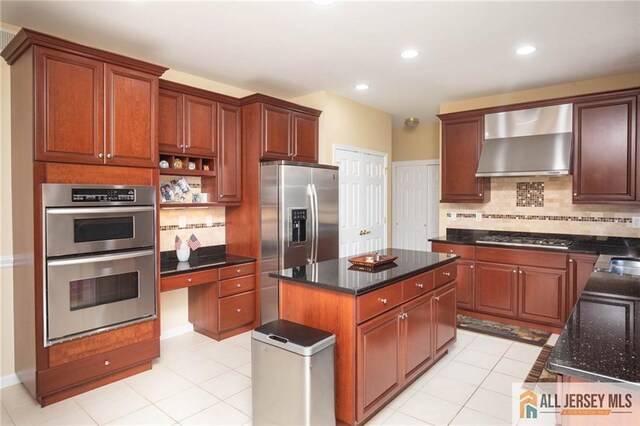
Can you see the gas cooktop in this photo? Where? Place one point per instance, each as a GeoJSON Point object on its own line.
{"type": "Point", "coordinates": [525, 241]}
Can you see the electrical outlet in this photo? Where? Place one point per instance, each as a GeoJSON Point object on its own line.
{"type": "Point", "coordinates": [478, 217]}
{"type": "Point", "coordinates": [635, 222]}
{"type": "Point", "coordinates": [182, 222]}
{"type": "Point", "coordinates": [209, 221]}
{"type": "Point", "coordinates": [454, 216]}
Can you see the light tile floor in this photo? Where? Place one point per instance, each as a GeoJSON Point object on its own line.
{"type": "Point", "coordinates": [198, 381]}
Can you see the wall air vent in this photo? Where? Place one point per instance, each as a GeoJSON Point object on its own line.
{"type": "Point", "coordinates": [5, 38]}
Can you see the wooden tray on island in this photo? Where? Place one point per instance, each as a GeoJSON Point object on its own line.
{"type": "Point", "coordinates": [362, 260]}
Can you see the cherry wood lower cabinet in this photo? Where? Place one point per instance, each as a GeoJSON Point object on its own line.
{"type": "Point", "coordinates": [225, 306]}
{"type": "Point", "coordinates": [580, 268]}
{"type": "Point", "coordinates": [497, 289]}
{"type": "Point", "coordinates": [466, 271]}
{"type": "Point", "coordinates": [385, 339]}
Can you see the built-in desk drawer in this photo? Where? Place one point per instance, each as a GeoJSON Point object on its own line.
{"type": "Point", "coordinates": [236, 285]}
{"type": "Point", "coordinates": [415, 286]}
{"type": "Point", "coordinates": [444, 274]}
{"type": "Point", "coordinates": [235, 311]}
{"type": "Point", "coordinates": [237, 270]}
{"type": "Point", "coordinates": [188, 279]}
{"type": "Point", "coordinates": [376, 302]}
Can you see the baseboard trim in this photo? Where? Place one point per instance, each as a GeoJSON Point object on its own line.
{"type": "Point", "coordinates": [9, 380]}
{"type": "Point", "coordinates": [176, 331]}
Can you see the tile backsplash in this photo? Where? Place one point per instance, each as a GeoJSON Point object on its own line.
{"type": "Point", "coordinates": [552, 212]}
{"type": "Point", "coordinates": [206, 223]}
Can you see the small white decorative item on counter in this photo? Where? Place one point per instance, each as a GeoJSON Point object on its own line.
{"type": "Point", "coordinates": [182, 250]}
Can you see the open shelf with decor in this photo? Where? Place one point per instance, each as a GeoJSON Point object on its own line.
{"type": "Point", "coordinates": [187, 166]}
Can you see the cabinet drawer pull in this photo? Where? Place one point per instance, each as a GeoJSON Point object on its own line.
{"type": "Point", "coordinates": [419, 285]}
{"type": "Point", "coordinates": [221, 195]}
{"type": "Point", "coordinates": [514, 271]}
{"type": "Point", "coordinates": [575, 194]}
{"type": "Point", "coordinates": [189, 280]}
{"type": "Point", "coordinates": [238, 270]}
{"type": "Point", "coordinates": [382, 300]}
{"type": "Point", "coordinates": [109, 155]}
{"type": "Point", "coordinates": [101, 155]}
{"type": "Point", "coordinates": [238, 285]}
{"type": "Point", "coordinates": [446, 274]}
{"type": "Point", "coordinates": [451, 251]}
{"type": "Point", "coordinates": [570, 260]}
{"type": "Point", "coordinates": [107, 363]}
{"type": "Point", "coordinates": [437, 298]}
{"type": "Point", "coordinates": [471, 266]}
{"type": "Point", "coordinates": [480, 194]}
{"type": "Point", "coordinates": [238, 310]}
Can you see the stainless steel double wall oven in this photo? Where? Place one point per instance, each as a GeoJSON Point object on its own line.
{"type": "Point", "coordinates": [99, 246]}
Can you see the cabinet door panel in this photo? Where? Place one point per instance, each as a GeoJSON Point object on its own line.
{"type": "Point", "coordinates": [170, 136]}
{"type": "Point", "coordinates": [542, 295]}
{"type": "Point", "coordinates": [276, 138]}
{"type": "Point", "coordinates": [229, 156]}
{"type": "Point", "coordinates": [417, 339]}
{"type": "Point", "coordinates": [70, 118]}
{"type": "Point", "coordinates": [378, 360]}
{"type": "Point", "coordinates": [465, 283]}
{"type": "Point", "coordinates": [496, 289]}
{"type": "Point", "coordinates": [461, 145]}
{"type": "Point", "coordinates": [131, 128]}
{"type": "Point", "coordinates": [605, 158]}
{"type": "Point", "coordinates": [305, 137]}
{"type": "Point", "coordinates": [200, 126]}
{"type": "Point", "coordinates": [580, 268]}
{"type": "Point", "coordinates": [446, 318]}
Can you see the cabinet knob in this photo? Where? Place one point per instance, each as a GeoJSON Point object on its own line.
{"type": "Point", "coordinates": [221, 195]}
{"type": "Point", "coordinates": [101, 155]}
{"type": "Point", "coordinates": [419, 285]}
{"type": "Point", "coordinates": [238, 285]}
{"type": "Point", "coordinates": [107, 363]}
{"type": "Point", "coordinates": [238, 270]}
{"type": "Point", "coordinates": [238, 310]}
{"type": "Point", "coordinates": [575, 194]}
{"type": "Point", "coordinates": [519, 272]}
{"type": "Point", "coordinates": [480, 194]}
{"type": "Point", "coordinates": [446, 274]}
{"type": "Point", "coordinates": [382, 300]}
{"type": "Point", "coordinates": [471, 267]}
{"type": "Point", "coordinates": [437, 298]}
{"type": "Point", "coordinates": [514, 271]}
{"type": "Point", "coordinates": [189, 280]}
{"type": "Point", "coordinates": [109, 155]}
{"type": "Point", "coordinates": [570, 260]}
{"type": "Point", "coordinates": [451, 251]}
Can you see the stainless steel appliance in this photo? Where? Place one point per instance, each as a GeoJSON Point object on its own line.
{"type": "Point", "coordinates": [526, 241]}
{"type": "Point", "coordinates": [99, 249]}
{"type": "Point", "coordinates": [529, 142]}
{"type": "Point", "coordinates": [299, 213]}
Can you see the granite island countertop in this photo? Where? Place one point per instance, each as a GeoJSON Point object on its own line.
{"type": "Point", "coordinates": [200, 259]}
{"type": "Point", "coordinates": [601, 340]}
{"type": "Point", "coordinates": [340, 275]}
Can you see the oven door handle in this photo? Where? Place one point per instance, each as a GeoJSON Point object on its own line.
{"type": "Point", "coordinates": [101, 258]}
{"type": "Point", "coordinates": [86, 210]}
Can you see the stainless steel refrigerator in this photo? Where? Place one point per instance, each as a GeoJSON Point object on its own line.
{"type": "Point", "coordinates": [299, 213]}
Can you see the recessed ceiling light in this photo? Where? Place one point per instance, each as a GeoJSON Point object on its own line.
{"type": "Point", "coordinates": [526, 50]}
{"type": "Point", "coordinates": [362, 86]}
{"type": "Point", "coordinates": [409, 53]}
{"type": "Point", "coordinates": [323, 2]}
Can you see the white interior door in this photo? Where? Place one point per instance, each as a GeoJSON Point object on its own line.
{"type": "Point", "coordinates": [415, 204]}
{"type": "Point", "coordinates": [362, 201]}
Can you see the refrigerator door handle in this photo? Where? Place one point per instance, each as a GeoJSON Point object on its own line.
{"type": "Point", "coordinates": [310, 194]}
{"type": "Point", "coordinates": [316, 223]}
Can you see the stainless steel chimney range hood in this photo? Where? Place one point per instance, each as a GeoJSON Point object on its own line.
{"type": "Point", "coordinates": [529, 142]}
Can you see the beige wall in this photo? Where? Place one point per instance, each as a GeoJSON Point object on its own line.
{"type": "Point", "coordinates": [349, 123]}
{"type": "Point", "coordinates": [559, 214]}
{"type": "Point", "coordinates": [419, 143]}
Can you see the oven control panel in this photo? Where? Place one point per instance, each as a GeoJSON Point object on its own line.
{"type": "Point", "coordinates": [93, 195]}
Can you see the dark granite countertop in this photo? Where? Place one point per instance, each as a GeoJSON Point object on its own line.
{"type": "Point", "coordinates": [200, 259]}
{"type": "Point", "coordinates": [601, 340]}
{"type": "Point", "coordinates": [340, 275]}
{"type": "Point", "coordinates": [617, 246]}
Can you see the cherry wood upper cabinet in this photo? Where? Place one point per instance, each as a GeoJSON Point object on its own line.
{"type": "Point", "coordinates": [280, 130]}
{"type": "Point", "coordinates": [461, 145]}
{"type": "Point", "coordinates": [229, 154]}
{"type": "Point", "coordinates": [131, 104]}
{"type": "Point", "coordinates": [605, 156]}
{"type": "Point", "coordinates": [86, 106]}
{"type": "Point", "coordinates": [69, 101]}
{"type": "Point", "coordinates": [170, 126]}
{"type": "Point", "coordinates": [200, 116]}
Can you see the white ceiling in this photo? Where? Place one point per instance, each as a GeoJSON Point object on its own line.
{"type": "Point", "coordinates": [289, 49]}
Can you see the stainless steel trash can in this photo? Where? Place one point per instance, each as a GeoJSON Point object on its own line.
{"type": "Point", "coordinates": [292, 375]}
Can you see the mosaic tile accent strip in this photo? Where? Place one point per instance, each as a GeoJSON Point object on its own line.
{"type": "Point", "coordinates": [191, 226]}
{"type": "Point", "coordinates": [530, 194]}
{"type": "Point", "coordinates": [545, 217]}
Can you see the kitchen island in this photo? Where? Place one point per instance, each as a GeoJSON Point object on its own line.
{"type": "Point", "coordinates": [391, 322]}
